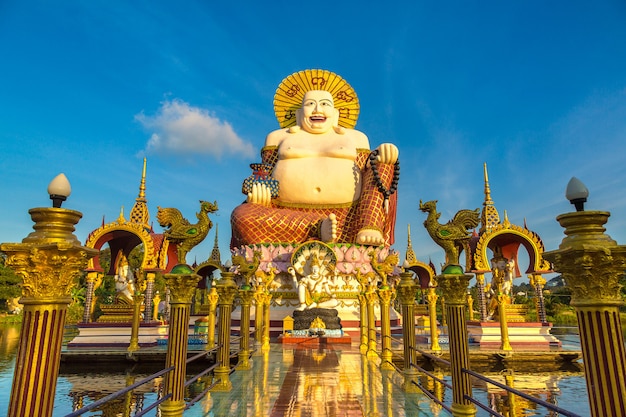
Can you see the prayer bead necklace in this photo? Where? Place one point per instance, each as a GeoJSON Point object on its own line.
{"type": "Point", "coordinates": [379, 183]}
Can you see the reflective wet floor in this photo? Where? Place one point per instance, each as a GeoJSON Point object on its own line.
{"type": "Point", "coordinates": [333, 380]}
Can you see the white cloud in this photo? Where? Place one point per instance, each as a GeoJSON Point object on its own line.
{"type": "Point", "coordinates": [182, 129]}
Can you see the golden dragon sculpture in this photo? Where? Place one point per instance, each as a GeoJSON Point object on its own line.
{"type": "Point", "coordinates": [182, 233]}
{"type": "Point", "coordinates": [453, 236]}
{"type": "Point", "coordinates": [247, 269]}
{"type": "Point", "coordinates": [385, 268]}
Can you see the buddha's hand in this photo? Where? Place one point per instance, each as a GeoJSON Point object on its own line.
{"type": "Point", "coordinates": [260, 194]}
{"type": "Point", "coordinates": [387, 153]}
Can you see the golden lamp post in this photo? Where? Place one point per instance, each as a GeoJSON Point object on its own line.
{"type": "Point", "coordinates": [182, 283]}
{"type": "Point", "coordinates": [371, 324]}
{"type": "Point", "coordinates": [503, 301]}
{"type": "Point", "coordinates": [432, 316]}
{"type": "Point", "coordinates": [592, 264]}
{"type": "Point", "coordinates": [212, 299]}
{"type": "Point", "coordinates": [49, 261]}
{"type": "Point", "coordinates": [134, 330]}
{"type": "Point", "coordinates": [245, 295]}
{"type": "Point", "coordinates": [227, 290]}
{"type": "Point", "coordinates": [453, 284]}
{"type": "Point", "coordinates": [407, 289]}
{"type": "Point", "coordinates": [364, 282]}
{"type": "Point", "coordinates": [259, 301]}
{"type": "Point", "coordinates": [385, 294]}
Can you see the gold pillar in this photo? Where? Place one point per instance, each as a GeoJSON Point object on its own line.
{"type": "Point", "coordinates": [407, 290]}
{"type": "Point", "coordinates": [49, 261]}
{"type": "Point", "coordinates": [364, 284]}
{"type": "Point", "coordinates": [453, 284]}
{"type": "Point", "coordinates": [149, 293]}
{"type": "Point", "coordinates": [182, 283]}
{"type": "Point", "coordinates": [245, 295]}
{"type": "Point", "coordinates": [212, 298]}
{"type": "Point", "coordinates": [134, 331]}
{"type": "Point", "coordinates": [537, 282]}
{"type": "Point", "coordinates": [259, 296]}
{"type": "Point", "coordinates": [470, 306]}
{"type": "Point", "coordinates": [267, 299]}
{"type": "Point", "coordinates": [432, 315]}
{"type": "Point", "coordinates": [482, 300]}
{"type": "Point", "coordinates": [385, 294]}
{"type": "Point", "coordinates": [227, 289]}
{"type": "Point", "coordinates": [363, 315]}
{"type": "Point", "coordinates": [92, 277]}
{"type": "Point", "coordinates": [444, 321]}
{"type": "Point", "coordinates": [371, 325]}
{"type": "Point", "coordinates": [592, 264]}
{"type": "Point", "coordinates": [503, 301]}
{"type": "Point", "coordinates": [155, 302]}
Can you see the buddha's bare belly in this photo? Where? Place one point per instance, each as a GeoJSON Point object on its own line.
{"type": "Point", "coordinates": [318, 181]}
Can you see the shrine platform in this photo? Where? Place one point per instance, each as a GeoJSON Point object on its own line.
{"type": "Point", "coordinates": [314, 340]}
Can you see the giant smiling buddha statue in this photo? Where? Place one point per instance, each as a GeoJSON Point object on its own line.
{"type": "Point", "coordinates": [318, 179]}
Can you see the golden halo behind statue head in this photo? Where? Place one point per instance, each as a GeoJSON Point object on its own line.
{"type": "Point", "coordinates": [290, 92]}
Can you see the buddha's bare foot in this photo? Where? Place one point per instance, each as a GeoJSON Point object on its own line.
{"type": "Point", "coordinates": [328, 230]}
{"type": "Point", "coordinates": [370, 237]}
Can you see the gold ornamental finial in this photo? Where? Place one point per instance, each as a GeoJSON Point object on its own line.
{"type": "Point", "coordinates": [215, 253]}
{"type": "Point", "coordinates": [506, 221]}
{"type": "Point", "coordinates": [139, 213]}
{"type": "Point", "coordinates": [489, 217]}
{"type": "Point", "coordinates": [142, 185]}
{"type": "Point", "coordinates": [121, 219]}
{"type": "Point", "coordinates": [410, 256]}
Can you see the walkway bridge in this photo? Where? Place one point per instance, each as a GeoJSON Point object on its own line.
{"type": "Point", "coordinates": [319, 379]}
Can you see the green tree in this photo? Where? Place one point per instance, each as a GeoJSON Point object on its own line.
{"type": "Point", "coordinates": [9, 283]}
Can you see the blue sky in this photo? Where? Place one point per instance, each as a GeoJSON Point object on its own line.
{"type": "Point", "coordinates": [537, 89]}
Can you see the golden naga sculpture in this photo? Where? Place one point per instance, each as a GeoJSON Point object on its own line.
{"type": "Point", "coordinates": [247, 269]}
{"type": "Point", "coordinates": [182, 233]}
{"type": "Point", "coordinates": [385, 268]}
{"type": "Point", "coordinates": [453, 236]}
{"type": "Point", "coordinates": [318, 178]}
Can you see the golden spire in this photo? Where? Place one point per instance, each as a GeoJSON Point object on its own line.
{"type": "Point", "coordinates": [506, 221]}
{"type": "Point", "coordinates": [215, 253]}
{"type": "Point", "coordinates": [139, 213]}
{"type": "Point", "coordinates": [410, 254]}
{"type": "Point", "coordinates": [489, 217]}
{"type": "Point", "coordinates": [121, 219]}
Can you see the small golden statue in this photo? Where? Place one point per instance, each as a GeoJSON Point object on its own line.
{"type": "Point", "coordinates": [318, 323]}
{"type": "Point", "coordinates": [182, 233]}
{"type": "Point", "coordinates": [453, 236]}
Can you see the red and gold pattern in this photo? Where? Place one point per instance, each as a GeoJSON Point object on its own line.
{"type": "Point", "coordinates": [254, 223]}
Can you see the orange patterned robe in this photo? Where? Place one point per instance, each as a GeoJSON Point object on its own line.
{"type": "Point", "coordinates": [254, 223]}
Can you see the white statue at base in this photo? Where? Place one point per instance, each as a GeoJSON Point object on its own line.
{"type": "Point", "coordinates": [314, 289]}
{"type": "Point", "coordinates": [503, 271]}
{"type": "Point", "coordinates": [124, 282]}
{"type": "Point", "coordinates": [507, 279]}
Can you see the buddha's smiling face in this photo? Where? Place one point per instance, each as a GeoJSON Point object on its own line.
{"type": "Point", "coordinates": [318, 113]}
